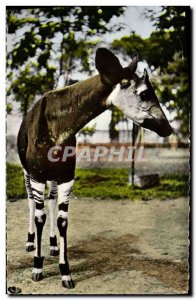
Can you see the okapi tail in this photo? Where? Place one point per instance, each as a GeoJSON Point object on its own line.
{"type": "Point", "coordinates": [22, 144]}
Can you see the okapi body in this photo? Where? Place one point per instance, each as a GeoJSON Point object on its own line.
{"type": "Point", "coordinates": [53, 123]}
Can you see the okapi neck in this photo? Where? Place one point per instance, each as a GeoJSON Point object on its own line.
{"type": "Point", "coordinates": [71, 108]}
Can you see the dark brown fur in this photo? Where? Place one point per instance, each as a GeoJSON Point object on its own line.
{"type": "Point", "coordinates": [54, 120]}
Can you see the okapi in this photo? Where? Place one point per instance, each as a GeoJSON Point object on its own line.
{"type": "Point", "coordinates": [53, 123]}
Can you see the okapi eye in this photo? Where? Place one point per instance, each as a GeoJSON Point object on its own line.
{"type": "Point", "coordinates": [125, 83]}
{"type": "Point", "coordinates": [145, 95]}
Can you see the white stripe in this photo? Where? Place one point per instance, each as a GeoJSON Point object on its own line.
{"type": "Point", "coordinates": [31, 215]}
{"type": "Point", "coordinates": [25, 172]}
{"type": "Point", "coordinates": [63, 214]}
{"type": "Point", "coordinates": [110, 99]}
{"type": "Point", "coordinates": [38, 186]}
{"type": "Point", "coordinates": [52, 188]}
{"type": "Point", "coordinates": [39, 212]}
{"type": "Point", "coordinates": [29, 244]}
{"type": "Point", "coordinates": [36, 193]}
{"type": "Point", "coordinates": [63, 189]}
{"type": "Point", "coordinates": [61, 257]}
{"type": "Point", "coordinates": [37, 271]}
{"type": "Point", "coordinates": [52, 211]}
{"type": "Point", "coordinates": [66, 277]}
{"type": "Point", "coordinates": [141, 88]}
{"type": "Point", "coordinates": [53, 248]}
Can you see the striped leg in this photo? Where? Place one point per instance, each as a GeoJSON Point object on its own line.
{"type": "Point", "coordinates": [40, 219]}
{"type": "Point", "coordinates": [64, 191]}
{"type": "Point", "coordinates": [52, 199]}
{"type": "Point", "coordinates": [31, 233]}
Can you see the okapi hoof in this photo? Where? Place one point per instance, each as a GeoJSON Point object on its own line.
{"type": "Point", "coordinates": [30, 242]}
{"type": "Point", "coordinates": [30, 247]}
{"type": "Point", "coordinates": [37, 270]}
{"type": "Point", "coordinates": [54, 251]}
{"type": "Point", "coordinates": [67, 282]}
{"type": "Point", "coordinates": [37, 276]}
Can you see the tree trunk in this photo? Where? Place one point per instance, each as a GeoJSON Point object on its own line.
{"type": "Point", "coordinates": [25, 108]}
{"type": "Point", "coordinates": [68, 70]}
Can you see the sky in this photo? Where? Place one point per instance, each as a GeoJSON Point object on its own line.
{"type": "Point", "coordinates": [134, 21]}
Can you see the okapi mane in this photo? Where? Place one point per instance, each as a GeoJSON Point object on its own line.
{"type": "Point", "coordinates": [72, 106]}
{"type": "Point", "coordinates": [79, 93]}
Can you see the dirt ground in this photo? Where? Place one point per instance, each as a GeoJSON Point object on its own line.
{"type": "Point", "coordinates": [115, 247]}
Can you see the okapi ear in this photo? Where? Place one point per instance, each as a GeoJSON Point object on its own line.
{"type": "Point", "coordinates": [108, 66]}
{"type": "Point", "coordinates": [133, 65]}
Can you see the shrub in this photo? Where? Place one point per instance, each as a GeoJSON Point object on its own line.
{"type": "Point", "coordinates": [15, 187]}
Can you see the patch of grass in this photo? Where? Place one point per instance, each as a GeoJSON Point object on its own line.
{"type": "Point", "coordinates": [106, 183]}
{"type": "Point", "coordinates": [113, 183]}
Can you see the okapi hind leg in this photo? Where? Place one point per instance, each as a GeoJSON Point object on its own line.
{"type": "Point", "coordinates": [40, 219]}
{"type": "Point", "coordinates": [64, 191]}
{"type": "Point", "coordinates": [52, 200]}
{"type": "Point", "coordinates": [31, 233]}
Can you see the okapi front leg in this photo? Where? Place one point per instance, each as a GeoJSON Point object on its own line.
{"type": "Point", "coordinates": [52, 199]}
{"type": "Point", "coordinates": [40, 219]}
{"type": "Point", "coordinates": [64, 191]}
{"type": "Point", "coordinates": [31, 233]}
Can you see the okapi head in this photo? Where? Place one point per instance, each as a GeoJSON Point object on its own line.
{"type": "Point", "coordinates": [133, 95]}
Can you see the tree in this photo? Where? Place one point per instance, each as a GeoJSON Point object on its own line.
{"type": "Point", "coordinates": [175, 78]}
{"type": "Point", "coordinates": [176, 21]}
{"type": "Point", "coordinates": [116, 117]}
{"type": "Point", "coordinates": [172, 88]}
{"type": "Point", "coordinates": [49, 42]}
{"type": "Point", "coordinates": [87, 131]}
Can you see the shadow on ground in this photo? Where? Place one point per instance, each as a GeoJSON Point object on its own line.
{"type": "Point", "coordinates": [101, 255]}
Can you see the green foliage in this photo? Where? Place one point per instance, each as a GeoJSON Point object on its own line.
{"type": "Point", "coordinates": [50, 42]}
{"type": "Point", "coordinates": [9, 108]}
{"type": "Point", "coordinates": [172, 87]}
{"type": "Point", "coordinates": [15, 188]}
{"type": "Point", "coordinates": [88, 130]}
{"type": "Point", "coordinates": [157, 49]}
{"type": "Point", "coordinates": [28, 84]}
{"type": "Point", "coordinates": [129, 45]}
{"type": "Point", "coordinates": [176, 21]}
{"type": "Point", "coordinates": [170, 37]}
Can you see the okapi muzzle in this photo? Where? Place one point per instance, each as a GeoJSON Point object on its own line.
{"type": "Point", "coordinates": [158, 123]}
